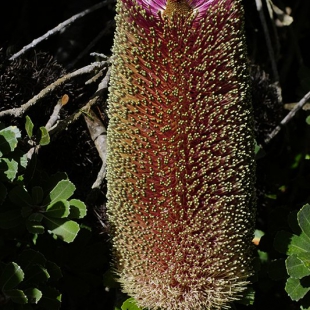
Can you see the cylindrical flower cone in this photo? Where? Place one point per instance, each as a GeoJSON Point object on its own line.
{"type": "Point", "coordinates": [180, 165]}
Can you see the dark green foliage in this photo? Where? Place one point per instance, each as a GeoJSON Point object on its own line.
{"type": "Point", "coordinates": [37, 216]}
{"type": "Point", "coordinates": [297, 247]}
{"type": "Point", "coordinates": [129, 304]}
{"type": "Point", "coordinates": [26, 279]}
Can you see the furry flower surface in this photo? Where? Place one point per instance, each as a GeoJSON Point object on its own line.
{"type": "Point", "coordinates": [180, 165]}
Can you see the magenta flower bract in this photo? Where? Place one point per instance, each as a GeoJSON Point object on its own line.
{"type": "Point", "coordinates": [180, 165]}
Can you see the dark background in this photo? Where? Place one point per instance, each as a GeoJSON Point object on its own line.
{"type": "Point", "coordinates": [22, 21]}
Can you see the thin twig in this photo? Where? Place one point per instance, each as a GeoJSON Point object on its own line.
{"type": "Point", "coordinates": [259, 6]}
{"type": "Point", "coordinates": [97, 131]}
{"type": "Point", "coordinates": [55, 115]}
{"type": "Point", "coordinates": [100, 176]}
{"type": "Point", "coordinates": [99, 218]}
{"type": "Point", "coordinates": [18, 112]}
{"type": "Point", "coordinates": [59, 28]}
{"type": "Point", "coordinates": [63, 124]}
{"type": "Point", "coordinates": [98, 134]}
{"type": "Point", "coordinates": [52, 120]}
{"type": "Point", "coordinates": [288, 117]}
{"type": "Point", "coordinates": [105, 81]}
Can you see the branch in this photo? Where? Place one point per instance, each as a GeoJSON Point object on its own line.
{"type": "Point", "coordinates": [75, 116]}
{"type": "Point", "coordinates": [18, 112]}
{"type": "Point", "coordinates": [288, 117]}
{"type": "Point", "coordinates": [98, 134]}
{"type": "Point", "coordinates": [59, 28]}
{"type": "Point", "coordinates": [55, 115]}
{"type": "Point", "coordinates": [52, 120]}
{"type": "Point", "coordinates": [99, 218]}
{"type": "Point", "coordinates": [259, 6]}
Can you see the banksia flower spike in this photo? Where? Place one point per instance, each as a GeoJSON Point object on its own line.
{"type": "Point", "coordinates": [180, 153]}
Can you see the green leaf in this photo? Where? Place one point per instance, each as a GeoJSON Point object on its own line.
{"type": "Point", "coordinates": [35, 217]}
{"type": "Point", "coordinates": [53, 180]}
{"type": "Point", "coordinates": [45, 137]}
{"type": "Point", "coordinates": [299, 244]}
{"type": "Point", "coordinates": [33, 295]}
{"type": "Point", "coordinates": [305, 257]}
{"type": "Point", "coordinates": [63, 190]}
{"type": "Point", "coordinates": [288, 243]}
{"type": "Point", "coordinates": [20, 197]}
{"type": "Point", "coordinates": [37, 194]}
{"type": "Point", "coordinates": [17, 296]}
{"type": "Point", "coordinates": [296, 268]}
{"type": "Point", "coordinates": [10, 219]}
{"type": "Point", "coordinates": [29, 126]}
{"type": "Point", "coordinates": [293, 222]}
{"type": "Point", "coordinates": [304, 220]}
{"type": "Point", "coordinates": [58, 209]}
{"type": "Point", "coordinates": [263, 256]}
{"type": "Point", "coordinates": [8, 139]}
{"type": "Point", "coordinates": [35, 275]}
{"type": "Point", "coordinates": [77, 209]}
{"type": "Point", "coordinates": [295, 289]}
{"type": "Point", "coordinates": [130, 304]}
{"type": "Point", "coordinates": [29, 258]}
{"type": "Point", "coordinates": [259, 151]}
{"type": "Point", "coordinates": [248, 297]}
{"type": "Point", "coordinates": [26, 211]}
{"type": "Point", "coordinates": [8, 169]}
{"type": "Point", "coordinates": [51, 299]}
{"type": "Point", "coordinates": [308, 120]}
{"type": "Point", "coordinates": [257, 148]}
{"type": "Point", "coordinates": [35, 228]}
{"type": "Point", "coordinates": [23, 160]}
{"type": "Point", "coordinates": [53, 270]}
{"type": "Point", "coordinates": [62, 228]}
{"type": "Point", "coordinates": [11, 276]}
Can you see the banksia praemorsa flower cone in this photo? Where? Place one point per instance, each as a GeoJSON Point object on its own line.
{"type": "Point", "coordinates": [180, 153]}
